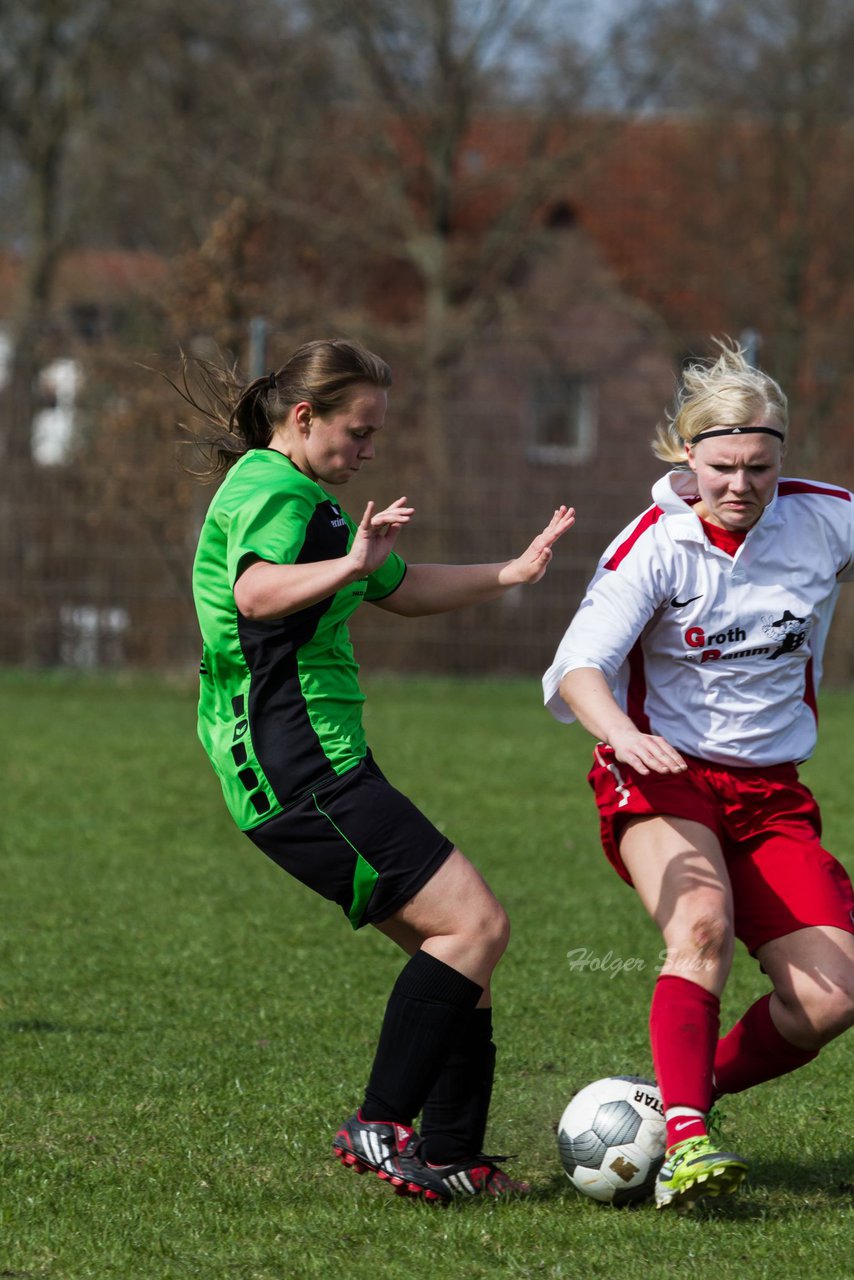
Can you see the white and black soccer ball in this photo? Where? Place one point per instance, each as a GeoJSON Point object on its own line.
{"type": "Point", "coordinates": [611, 1139]}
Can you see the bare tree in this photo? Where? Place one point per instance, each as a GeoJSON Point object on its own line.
{"type": "Point", "coordinates": [454, 123]}
{"type": "Point", "coordinates": [117, 127]}
{"type": "Point", "coordinates": [404, 186]}
{"type": "Point", "coordinates": [384, 169]}
{"type": "Point", "coordinates": [760, 97]}
{"type": "Point", "coordinates": [211, 106]}
{"type": "Point", "coordinates": [46, 58]}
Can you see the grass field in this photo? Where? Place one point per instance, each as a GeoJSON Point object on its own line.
{"type": "Point", "coordinates": [183, 1028]}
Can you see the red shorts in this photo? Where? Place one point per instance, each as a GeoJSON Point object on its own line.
{"type": "Point", "coordinates": [769, 828]}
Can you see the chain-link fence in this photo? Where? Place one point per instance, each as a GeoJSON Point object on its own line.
{"type": "Point", "coordinates": [99, 519]}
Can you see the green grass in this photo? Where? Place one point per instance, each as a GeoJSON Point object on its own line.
{"type": "Point", "coordinates": [182, 1027]}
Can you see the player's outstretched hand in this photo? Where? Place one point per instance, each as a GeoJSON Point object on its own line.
{"type": "Point", "coordinates": [533, 562]}
{"type": "Point", "coordinates": [375, 537]}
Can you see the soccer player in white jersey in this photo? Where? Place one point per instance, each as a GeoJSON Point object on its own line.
{"type": "Point", "coordinates": [694, 659]}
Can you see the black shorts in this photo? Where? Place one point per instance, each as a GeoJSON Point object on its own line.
{"type": "Point", "coordinates": [358, 842]}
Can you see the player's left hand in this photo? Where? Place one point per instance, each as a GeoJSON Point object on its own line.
{"type": "Point", "coordinates": [533, 562]}
{"type": "Point", "coordinates": [375, 536]}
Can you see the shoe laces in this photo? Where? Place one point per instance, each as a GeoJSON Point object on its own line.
{"type": "Point", "coordinates": [478, 1161]}
{"type": "Point", "coordinates": [715, 1121]}
{"type": "Point", "coordinates": [412, 1150]}
{"type": "Point", "coordinates": [489, 1167]}
{"type": "Point", "coordinates": [681, 1151]}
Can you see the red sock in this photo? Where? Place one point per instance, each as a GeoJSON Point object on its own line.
{"type": "Point", "coordinates": [683, 1027]}
{"type": "Point", "coordinates": [754, 1051]}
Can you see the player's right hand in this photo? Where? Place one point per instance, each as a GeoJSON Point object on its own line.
{"type": "Point", "coordinates": [647, 752]}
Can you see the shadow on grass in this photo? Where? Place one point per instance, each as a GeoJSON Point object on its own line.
{"type": "Point", "coordinates": [775, 1189]}
{"type": "Point", "coordinates": [40, 1026]}
{"type": "Point", "coordinates": [831, 1178]}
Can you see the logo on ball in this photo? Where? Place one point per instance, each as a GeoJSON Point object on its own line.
{"type": "Point", "coordinates": [611, 1139]}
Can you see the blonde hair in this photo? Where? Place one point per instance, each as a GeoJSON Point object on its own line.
{"type": "Point", "coordinates": [721, 392]}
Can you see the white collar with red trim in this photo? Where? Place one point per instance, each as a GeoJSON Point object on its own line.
{"type": "Point", "coordinates": [673, 494]}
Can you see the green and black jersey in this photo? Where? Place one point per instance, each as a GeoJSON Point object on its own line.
{"type": "Point", "coordinates": [280, 708]}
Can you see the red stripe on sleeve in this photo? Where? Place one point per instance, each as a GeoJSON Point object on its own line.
{"type": "Point", "coordinates": [646, 521]}
{"type": "Point", "coordinates": [785, 487]}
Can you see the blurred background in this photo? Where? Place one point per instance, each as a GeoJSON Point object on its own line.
{"type": "Point", "coordinates": [535, 211]}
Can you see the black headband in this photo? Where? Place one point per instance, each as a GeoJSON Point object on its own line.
{"type": "Point", "coordinates": [737, 431]}
{"type": "Point", "coordinates": [271, 382]}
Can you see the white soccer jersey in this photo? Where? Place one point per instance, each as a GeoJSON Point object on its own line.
{"type": "Point", "coordinates": [721, 655]}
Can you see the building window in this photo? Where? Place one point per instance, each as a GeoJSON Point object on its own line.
{"type": "Point", "coordinates": [562, 419]}
{"type": "Point", "coordinates": [561, 216]}
{"type": "Point", "coordinates": [54, 424]}
{"type": "Point", "coordinates": [92, 637]}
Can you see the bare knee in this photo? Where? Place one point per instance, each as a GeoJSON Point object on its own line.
{"type": "Point", "coordinates": [477, 941]}
{"type": "Point", "coordinates": [484, 930]}
{"type": "Point", "coordinates": [494, 930]}
{"type": "Point", "coordinates": [813, 975]}
{"type": "Point", "coordinates": [700, 947]}
{"type": "Point", "coordinates": [458, 919]}
{"type": "Point", "coordinates": [813, 1017]}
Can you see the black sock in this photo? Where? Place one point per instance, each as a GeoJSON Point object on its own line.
{"type": "Point", "coordinates": [453, 1123]}
{"type": "Point", "coordinates": [428, 1003]}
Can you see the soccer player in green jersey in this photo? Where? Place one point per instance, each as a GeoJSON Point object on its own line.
{"type": "Point", "coordinates": [279, 569]}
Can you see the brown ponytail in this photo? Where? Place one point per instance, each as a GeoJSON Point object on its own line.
{"type": "Point", "coordinates": [321, 373]}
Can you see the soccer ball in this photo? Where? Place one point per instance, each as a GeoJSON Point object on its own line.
{"type": "Point", "coordinates": [611, 1139]}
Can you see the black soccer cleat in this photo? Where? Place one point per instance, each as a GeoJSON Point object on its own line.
{"type": "Point", "coordinates": [480, 1175]}
{"type": "Point", "coordinates": [391, 1151]}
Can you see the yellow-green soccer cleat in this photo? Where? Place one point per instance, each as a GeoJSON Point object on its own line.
{"type": "Point", "coordinates": [695, 1168]}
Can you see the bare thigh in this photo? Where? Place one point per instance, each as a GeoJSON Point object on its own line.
{"type": "Point", "coordinates": [679, 872]}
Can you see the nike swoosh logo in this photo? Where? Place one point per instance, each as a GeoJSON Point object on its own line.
{"type": "Point", "coordinates": [676, 603]}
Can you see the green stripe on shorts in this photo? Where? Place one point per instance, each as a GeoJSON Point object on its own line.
{"type": "Point", "coordinates": [364, 875]}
